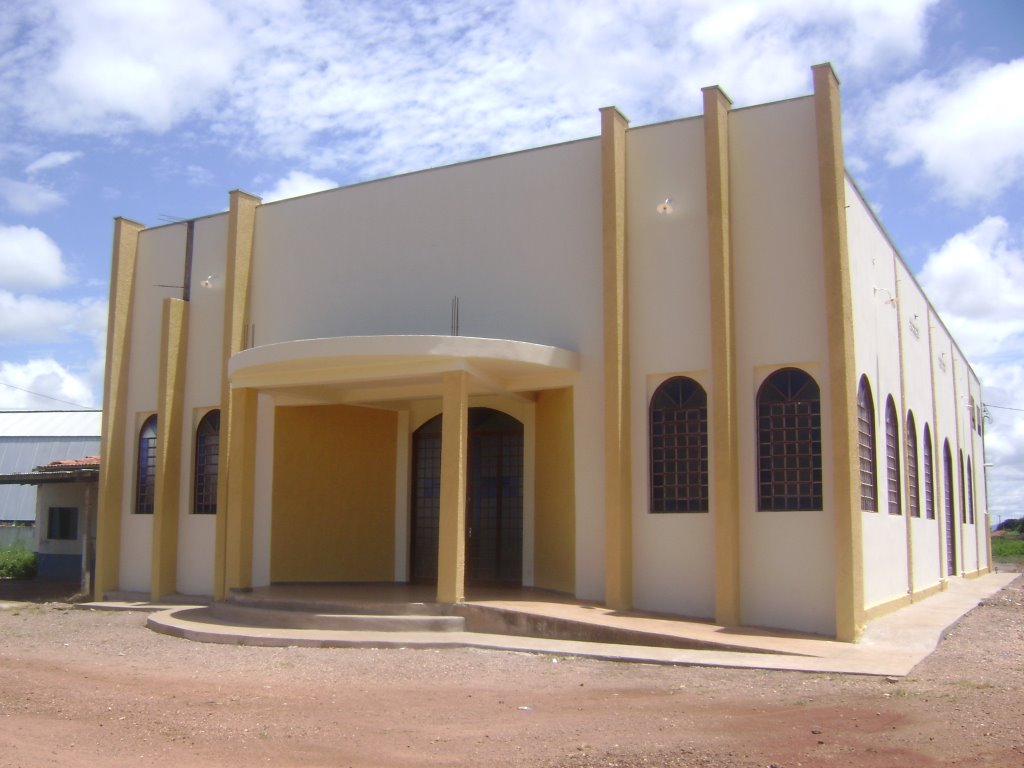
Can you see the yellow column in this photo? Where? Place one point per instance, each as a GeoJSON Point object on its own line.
{"type": "Point", "coordinates": [451, 546]}
{"type": "Point", "coordinates": [115, 406]}
{"type": "Point", "coordinates": [617, 451]}
{"type": "Point", "coordinates": [724, 441]}
{"type": "Point", "coordinates": [842, 368]}
{"type": "Point", "coordinates": [167, 493]}
{"type": "Point", "coordinates": [241, 230]}
{"type": "Point", "coordinates": [241, 489]}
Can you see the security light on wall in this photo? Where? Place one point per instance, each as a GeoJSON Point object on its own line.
{"type": "Point", "coordinates": [665, 207]}
{"type": "Point", "coordinates": [210, 281]}
{"type": "Point", "coordinates": [891, 301]}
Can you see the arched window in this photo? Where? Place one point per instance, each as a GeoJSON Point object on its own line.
{"type": "Point", "coordinates": [679, 447]}
{"type": "Point", "coordinates": [970, 491]}
{"type": "Point", "coordinates": [204, 497]}
{"type": "Point", "coordinates": [963, 498]}
{"type": "Point", "coordinates": [892, 458]}
{"type": "Point", "coordinates": [789, 442]}
{"type": "Point", "coordinates": [913, 502]}
{"type": "Point", "coordinates": [949, 508]}
{"type": "Point", "coordinates": [145, 479]}
{"type": "Point", "coordinates": [866, 447]}
{"type": "Point", "coordinates": [929, 475]}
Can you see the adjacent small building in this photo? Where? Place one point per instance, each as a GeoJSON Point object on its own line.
{"type": "Point", "coordinates": [677, 367]}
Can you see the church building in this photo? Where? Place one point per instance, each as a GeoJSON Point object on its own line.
{"type": "Point", "coordinates": [677, 368]}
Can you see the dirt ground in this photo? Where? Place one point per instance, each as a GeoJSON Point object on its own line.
{"type": "Point", "coordinates": [88, 688]}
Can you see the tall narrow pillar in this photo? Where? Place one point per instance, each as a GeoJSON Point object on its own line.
{"type": "Point", "coordinates": [167, 492]}
{"type": "Point", "coordinates": [241, 232]}
{"type": "Point", "coordinates": [842, 368]}
{"type": "Point", "coordinates": [451, 547]}
{"type": "Point", "coordinates": [617, 449]}
{"type": "Point", "coordinates": [241, 488]}
{"type": "Point", "coordinates": [725, 444]}
{"type": "Point", "coordinates": [115, 405]}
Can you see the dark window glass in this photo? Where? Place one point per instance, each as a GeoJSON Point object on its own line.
{"type": "Point", "coordinates": [963, 489]}
{"type": "Point", "coordinates": [207, 464]}
{"type": "Point", "coordinates": [892, 458]}
{"type": "Point", "coordinates": [145, 483]}
{"type": "Point", "coordinates": [789, 442]}
{"type": "Point", "coordinates": [678, 422]}
{"type": "Point", "coordinates": [970, 491]}
{"type": "Point", "coordinates": [949, 508]}
{"type": "Point", "coordinates": [62, 523]}
{"type": "Point", "coordinates": [929, 475]}
{"type": "Point", "coordinates": [866, 447]}
{"type": "Point", "coordinates": [913, 502]}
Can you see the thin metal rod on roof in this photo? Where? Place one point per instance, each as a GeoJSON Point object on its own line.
{"type": "Point", "coordinates": [455, 316]}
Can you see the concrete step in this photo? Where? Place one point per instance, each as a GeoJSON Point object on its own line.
{"type": "Point", "coordinates": [293, 617]}
{"type": "Point", "coordinates": [337, 606]}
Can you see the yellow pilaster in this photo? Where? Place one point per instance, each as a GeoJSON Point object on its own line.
{"type": "Point", "coordinates": [241, 489]}
{"type": "Point", "coordinates": [842, 368]}
{"type": "Point", "coordinates": [617, 452]}
{"type": "Point", "coordinates": [451, 547]}
{"type": "Point", "coordinates": [241, 230]}
{"type": "Point", "coordinates": [115, 406]}
{"type": "Point", "coordinates": [166, 502]}
{"type": "Point", "coordinates": [724, 442]}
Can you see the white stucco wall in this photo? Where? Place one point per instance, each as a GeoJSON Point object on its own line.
{"type": "Point", "coordinates": [673, 553]}
{"type": "Point", "coordinates": [160, 262]}
{"type": "Point", "coordinates": [877, 347]}
{"type": "Point", "coordinates": [787, 558]}
{"type": "Point", "coordinates": [197, 533]}
{"type": "Point", "coordinates": [517, 238]}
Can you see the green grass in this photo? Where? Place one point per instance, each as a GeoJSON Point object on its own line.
{"type": "Point", "coordinates": [1008, 549]}
{"type": "Point", "coordinates": [17, 562]}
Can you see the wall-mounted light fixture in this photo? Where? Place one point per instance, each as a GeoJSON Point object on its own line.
{"type": "Point", "coordinates": [210, 281]}
{"type": "Point", "coordinates": [914, 328]}
{"type": "Point", "coordinates": [665, 207]}
{"type": "Point", "coordinates": [891, 301]}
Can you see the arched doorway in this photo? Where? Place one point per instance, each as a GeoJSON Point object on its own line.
{"type": "Point", "coordinates": [494, 499]}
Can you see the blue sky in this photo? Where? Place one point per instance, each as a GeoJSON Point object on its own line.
{"type": "Point", "coordinates": [153, 110]}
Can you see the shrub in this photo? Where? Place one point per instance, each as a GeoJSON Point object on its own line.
{"type": "Point", "coordinates": [17, 562]}
{"type": "Point", "coordinates": [1008, 549]}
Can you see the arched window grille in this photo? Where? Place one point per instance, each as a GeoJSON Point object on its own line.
{"type": "Point", "coordinates": [913, 500]}
{"type": "Point", "coordinates": [207, 456]}
{"type": "Point", "coordinates": [892, 458]}
{"type": "Point", "coordinates": [789, 442]}
{"type": "Point", "coordinates": [866, 447]}
{"type": "Point", "coordinates": [678, 422]}
{"type": "Point", "coordinates": [929, 475]}
{"type": "Point", "coordinates": [145, 478]}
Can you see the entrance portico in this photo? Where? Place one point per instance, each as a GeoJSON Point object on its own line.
{"type": "Point", "coordinates": [392, 373]}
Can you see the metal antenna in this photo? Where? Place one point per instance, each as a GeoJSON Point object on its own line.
{"type": "Point", "coordinates": [455, 316]}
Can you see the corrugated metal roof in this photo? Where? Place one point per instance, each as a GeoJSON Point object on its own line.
{"type": "Point", "coordinates": [50, 423]}
{"type": "Point", "coordinates": [24, 454]}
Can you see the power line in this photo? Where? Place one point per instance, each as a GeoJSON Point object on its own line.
{"type": "Point", "coordinates": [40, 394]}
{"type": "Point", "coordinates": [1003, 407]}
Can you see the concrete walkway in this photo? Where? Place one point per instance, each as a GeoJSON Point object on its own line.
{"type": "Point", "coordinates": [891, 646]}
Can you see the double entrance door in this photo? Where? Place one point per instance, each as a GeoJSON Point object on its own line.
{"type": "Point", "coordinates": [494, 500]}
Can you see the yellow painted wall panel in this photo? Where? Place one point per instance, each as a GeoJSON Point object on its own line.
{"type": "Point", "coordinates": [555, 508]}
{"type": "Point", "coordinates": [334, 494]}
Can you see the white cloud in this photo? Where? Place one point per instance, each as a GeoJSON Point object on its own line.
{"type": "Point", "coordinates": [32, 319]}
{"type": "Point", "coordinates": [964, 127]}
{"type": "Point", "coordinates": [121, 65]}
{"type": "Point", "coordinates": [51, 160]}
{"type": "Point", "coordinates": [976, 281]}
{"type": "Point", "coordinates": [46, 377]}
{"type": "Point", "coordinates": [28, 197]}
{"type": "Point", "coordinates": [29, 260]}
{"type": "Point", "coordinates": [294, 184]}
{"type": "Point", "coordinates": [377, 88]}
